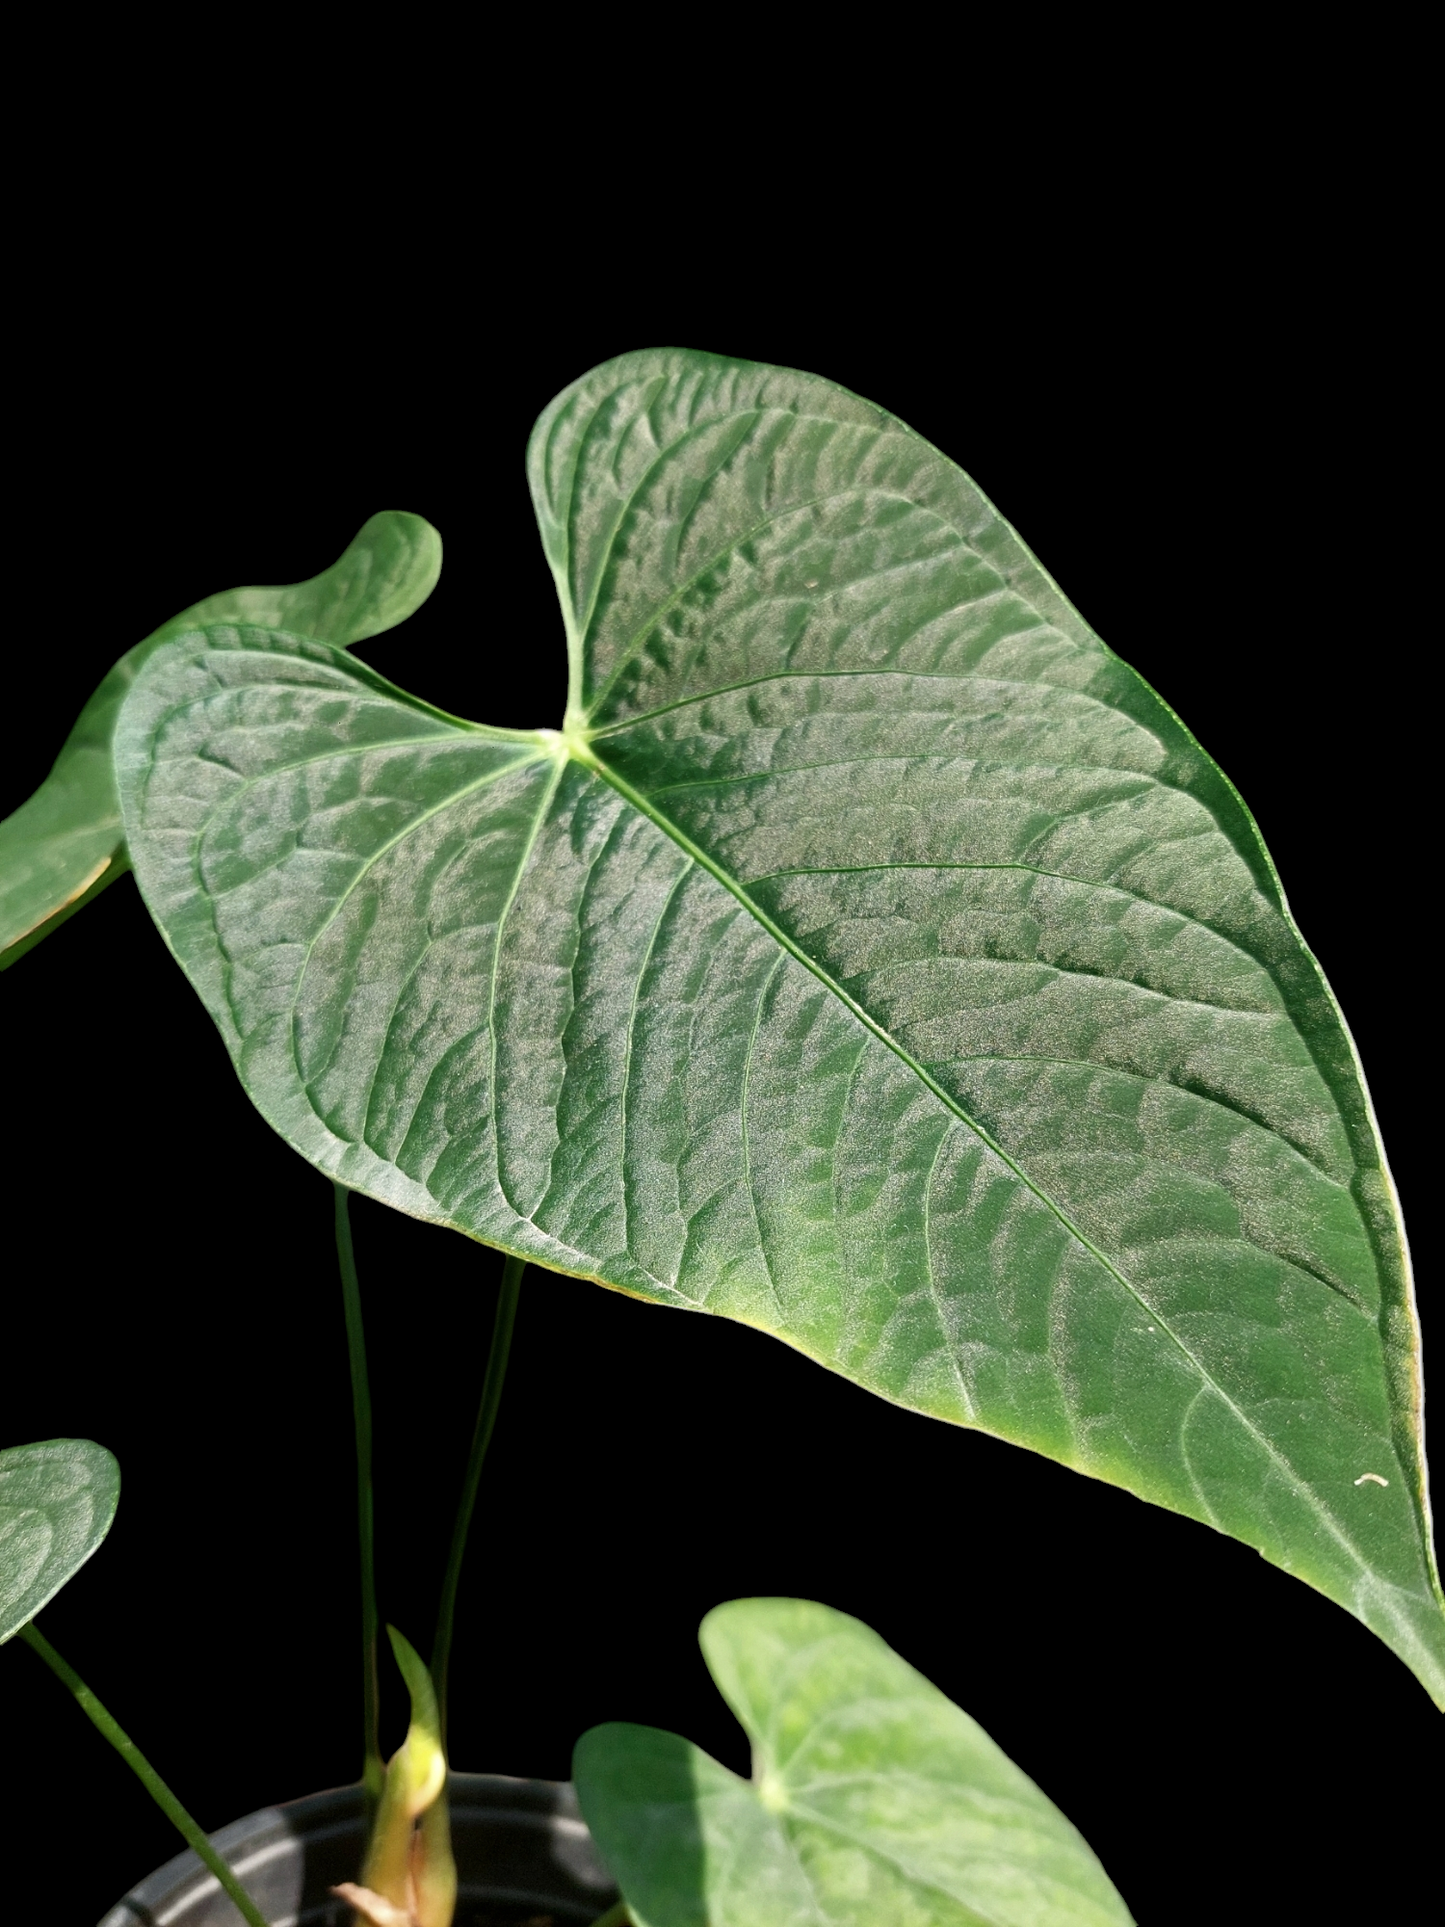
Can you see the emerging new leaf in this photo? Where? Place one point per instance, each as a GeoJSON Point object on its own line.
{"type": "Point", "coordinates": [409, 1878]}
{"type": "Point", "coordinates": [64, 845]}
{"type": "Point", "coordinates": [872, 957]}
{"type": "Point", "coordinates": [873, 1798]}
{"type": "Point", "coordinates": [57, 1500]}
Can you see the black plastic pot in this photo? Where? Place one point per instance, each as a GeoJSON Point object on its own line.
{"type": "Point", "coordinates": [523, 1854]}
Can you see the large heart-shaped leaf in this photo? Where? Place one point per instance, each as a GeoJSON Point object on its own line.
{"type": "Point", "coordinates": [873, 1798]}
{"type": "Point", "coordinates": [64, 846]}
{"type": "Point", "coordinates": [872, 957]}
{"type": "Point", "coordinates": [57, 1500]}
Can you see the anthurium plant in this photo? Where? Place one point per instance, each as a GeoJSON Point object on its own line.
{"type": "Point", "coordinates": [871, 957]}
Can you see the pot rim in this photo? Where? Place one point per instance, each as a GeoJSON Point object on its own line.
{"type": "Point", "coordinates": [279, 1837]}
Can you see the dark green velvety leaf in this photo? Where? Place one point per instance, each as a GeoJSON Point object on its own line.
{"type": "Point", "coordinates": [873, 1798]}
{"type": "Point", "coordinates": [57, 1500]}
{"type": "Point", "coordinates": [64, 845]}
{"type": "Point", "coordinates": [872, 958]}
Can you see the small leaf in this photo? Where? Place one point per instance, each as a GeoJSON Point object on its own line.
{"type": "Point", "coordinates": [873, 1799]}
{"type": "Point", "coordinates": [418, 1769]}
{"type": "Point", "coordinates": [57, 1501]}
{"type": "Point", "coordinates": [63, 846]}
{"type": "Point", "coordinates": [872, 957]}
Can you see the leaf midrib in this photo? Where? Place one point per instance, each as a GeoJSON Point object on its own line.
{"type": "Point", "coordinates": [563, 522]}
{"type": "Point", "coordinates": [589, 759]}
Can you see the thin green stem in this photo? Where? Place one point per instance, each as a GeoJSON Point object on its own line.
{"type": "Point", "coordinates": [154, 1785]}
{"type": "Point", "coordinates": [372, 1772]}
{"type": "Point", "coordinates": [502, 1325]}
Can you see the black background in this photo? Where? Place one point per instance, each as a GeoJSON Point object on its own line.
{"type": "Point", "coordinates": [1206, 441]}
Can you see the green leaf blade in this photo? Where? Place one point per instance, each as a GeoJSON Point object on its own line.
{"type": "Point", "coordinates": [57, 1501]}
{"type": "Point", "coordinates": [881, 964]}
{"type": "Point", "coordinates": [873, 1797]}
{"type": "Point", "coordinates": [696, 1847]}
{"type": "Point", "coordinates": [66, 839]}
{"type": "Point", "coordinates": [63, 845]}
{"type": "Point", "coordinates": [831, 666]}
{"type": "Point", "coordinates": [384, 574]}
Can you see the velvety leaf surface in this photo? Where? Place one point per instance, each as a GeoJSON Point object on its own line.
{"type": "Point", "coordinates": [64, 845]}
{"type": "Point", "coordinates": [873, 1798]}
{"type": "Point", "coordinates": [57, 1500]}
{"type": "Point", "coordinates": [872, 957]}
